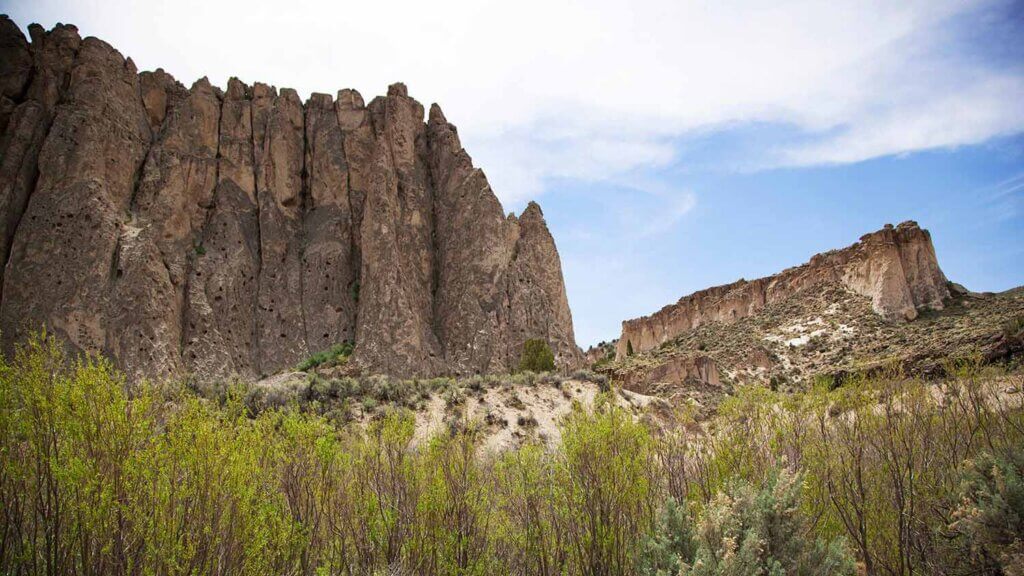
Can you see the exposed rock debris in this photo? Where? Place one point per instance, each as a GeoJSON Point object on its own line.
{"type": "Point", "coordinates": [214, 233]}
{"type": "Point", "coordinates": [825, 333]}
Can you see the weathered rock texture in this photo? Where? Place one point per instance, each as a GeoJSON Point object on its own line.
{"type": "Point", "coordinates": [694, 370]}
{"type": "Point", "coordinates": [895, 267]}
{"type": "Point", "coordinates": [215, 233]}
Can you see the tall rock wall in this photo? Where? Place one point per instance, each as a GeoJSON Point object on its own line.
{"type": "Point", "coordinates": [895, 267]}
{"type": "Point", "coordinates": [215, 233]}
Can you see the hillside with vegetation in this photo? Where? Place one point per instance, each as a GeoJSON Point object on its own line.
{"type": "Point", "coordinates": [828, 333]}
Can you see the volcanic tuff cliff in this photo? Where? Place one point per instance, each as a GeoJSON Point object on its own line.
{"type": "Point", "coordinates": [895, 267]}
{"type": "Point", "coordinates": [208, 232]}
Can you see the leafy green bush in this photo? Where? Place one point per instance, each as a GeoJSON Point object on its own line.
{"type": "Point", "coordinates": [605, 486]}
{"type": "Point", "coordinates": [550, 379]}
{"type": "Point", "coordinates": [751, 531]}
{"type": "Point", "coordinates": [99, 481]}
{"type": "Point", "coordinates": [524, 378]}
{"type": "Point", "coordinates": [277, 395]}
{"type": "Point", "coordinates": [537, 356]}
{"type": "Point", "coordinates": [337, 354]}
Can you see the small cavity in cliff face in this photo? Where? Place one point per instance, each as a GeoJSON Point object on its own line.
{"type": "Point", "coordinates": [895, 267]}
{"type": "Point", "coordinates": [197, 231]}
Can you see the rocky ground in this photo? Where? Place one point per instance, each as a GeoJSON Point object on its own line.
{"type": "Point", "coordinates": [508, 409]}
{"type": "Point", "coordinates": [826, 333]}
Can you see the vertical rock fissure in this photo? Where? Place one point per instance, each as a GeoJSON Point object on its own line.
{"type": "Point", "coordinates": [304, 200]}
{"type": "Point", "coordinates": [356, 262]}
{"type": "Point", "coordinates": [183, 310]}
{"type": "Point", "coordinates": [436, 259]}
{"type": "Point", "coordinates": [258, 277]}
{"type": "Point", "coordinates": [154, 136]}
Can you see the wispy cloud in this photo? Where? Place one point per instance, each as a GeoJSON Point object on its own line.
{"type": "Point", "coordinates": [1004, 200]}
{"type": "Point", "coordinates": [1010, 186]}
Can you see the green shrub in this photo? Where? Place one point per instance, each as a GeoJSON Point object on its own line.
{"type": "Point", "coordinates": [989, 517]}
{"type": "Point", "coordinates": [550, 379]}
{"type": "Point", "coordinates": [1013, 329]}
{"type": "Point", "coordinates": [102, 476]}
{"type": "Point", "coordinates": [280, 394]}
{"type": "Point", "coordinates": [369, 403]}
{"type": "Point", "coordinates": [99, 481]}
{"type": "Point", "coordinates": [751, 531]}
{"type": "Point", "coordinates": [583, 375]}
{"type": "Point", "coordinates": [606, 487]}
{"type": "Point", "coordinates": [524, 378]}
{"type": "Point", "coordinates": [593, 377]}
{"type": "Point", "coordinates": [671, 546]}
{"type": "Point", "coordinates": [337, 354]}
{"type": "Point", "coordinates": [537, 356]}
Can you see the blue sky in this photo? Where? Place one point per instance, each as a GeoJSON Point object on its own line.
{"type": "Point", "coordinates": [747, 225]}
{"type": "Point", "coordinates": [673, 144]}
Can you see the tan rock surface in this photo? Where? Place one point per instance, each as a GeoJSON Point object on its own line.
{"type": "Point", "coordinates": [158, 245]}
{"type": "Point", "coordinates": [895, 267]}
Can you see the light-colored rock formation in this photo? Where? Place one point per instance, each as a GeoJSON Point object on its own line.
{"type": "Point", "coordinates": [329, 268]}
{"type": "Point", "coordinates": [397, 280]}
{"type": "Point", "coordinates": [216, 233]}
{"type": "Point", "coordinates": [895, 267]}
{"type": "Point", "coordinates": [169, 212]}
{"type": "Point", "coordinates": [697, 370]}
{"type": "Point", "coordinates": [472, 269]}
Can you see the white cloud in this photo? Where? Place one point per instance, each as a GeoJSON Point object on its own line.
{"type": "Point", "coordinates": [596, 90]}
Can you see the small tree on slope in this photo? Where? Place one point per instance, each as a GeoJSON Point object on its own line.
{"type": "Point", "coordinates": [537, 356]}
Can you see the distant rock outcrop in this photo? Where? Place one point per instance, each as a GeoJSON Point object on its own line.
{"type": "Point", "coordinates": [215, 233]}
{"type": "Point", "coordinates": [895, 267]}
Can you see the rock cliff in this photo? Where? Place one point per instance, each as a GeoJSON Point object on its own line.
{"type": "Point", "coordinates": [895, 267]}
{"type": "Point", "coordinates": [235, 232]}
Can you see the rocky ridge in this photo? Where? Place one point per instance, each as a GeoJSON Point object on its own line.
{"type": "Point", "coordinates": [881, 304]}
{"type": "Point", "coordinates": [895, 267]}
{"type": "Point", "coordinates": [234, 232]}
{"type": "Point", "coordinates": [830, 333]}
